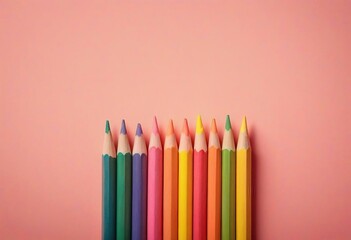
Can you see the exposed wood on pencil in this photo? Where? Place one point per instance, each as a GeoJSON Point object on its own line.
{"type": "Point", "coordinates": [108, 146]}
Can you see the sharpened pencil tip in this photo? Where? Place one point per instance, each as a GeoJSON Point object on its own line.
{"type": "Point", "coordinates": [155, 126]}
{"type": "Point", "coordinates": [185, 127]}
{"type": "Point", "coordinates": [243, 127]}
{"type": "Point", "coordinates": [213, 126]}
{"type": "Point", "coordinates": [228, 125]}
{"type": "Point", "coordinates": [199, 126]}
{"type": "Point", "coordinates": [107, 127]}
{"type": "Point", "coordinates": [139, 130]}
{"type": "Point", "coordinates": [123, 127]}
{"type": "Point", "coordinates": [170, 128]}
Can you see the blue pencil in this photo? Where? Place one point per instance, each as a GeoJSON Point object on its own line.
{"type": "Point", "coordinates": [139, 186]}
{"type": "Point", "coordinates": [108, 186]}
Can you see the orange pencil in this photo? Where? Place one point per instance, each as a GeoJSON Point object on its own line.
{"type": "Point", "coordinates": [214, 185]}
{"type": "Point", "coordinates": [170, 185]}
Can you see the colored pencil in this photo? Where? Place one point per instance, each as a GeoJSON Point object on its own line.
{"type": "Point", "coordinates": [200, 183]}
{"type": "Point", "coordinates": [185, 193]}
{"type": "Point", "coordinates": [170, 185]}
{"type": "Point", "coordinates": [228, 183]}
{"type": "Point", "coordinates": [108, 186]}
{"type": "Point", "coordinates": [124, 186]}
{"type": "Point", "coordinates": [154, 195]}
{"type": "Point", "coordinates": [139, 184]}
{"type": "Point", "coordinates": [214, 185]}
{"type": "Point", "coordinates": [243, 185]}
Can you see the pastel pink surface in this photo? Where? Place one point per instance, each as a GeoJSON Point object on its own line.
{"type": "Point", "coordinates": [66, 67]}
{"type": "Point", "coordinates": [154, 194]}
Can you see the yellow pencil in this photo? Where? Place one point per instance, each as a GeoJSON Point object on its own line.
{"type": "Point", "coordinates": [243, 185]}
{"type": "Point", "coordinates": [185, 192]}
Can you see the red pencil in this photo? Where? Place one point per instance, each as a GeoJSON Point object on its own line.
{"type": "Point", "coordinates": [200, 183]}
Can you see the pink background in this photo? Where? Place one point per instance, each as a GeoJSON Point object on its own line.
{"type": "Point", "coordinates": [66, 67]}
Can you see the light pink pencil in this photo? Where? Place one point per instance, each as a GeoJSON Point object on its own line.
{"type": "Point", "coordinates": [154, 197]}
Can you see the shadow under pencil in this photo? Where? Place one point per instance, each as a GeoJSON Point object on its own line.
{"type": "Point", "coordinates": [255, 176]}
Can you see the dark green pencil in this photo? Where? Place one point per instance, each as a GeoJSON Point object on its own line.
{"type": "Point", "coordinates": [108, 186]}
{"type": "Point", "coordinates": [124, 186]}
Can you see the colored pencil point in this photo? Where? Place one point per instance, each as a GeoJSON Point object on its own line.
{"type": "Point", "coordinates": [155, 127]}
{"type": "Point", "coordinates": [170, 128]}
{"type": "Point", "coordinates": [139, 130]}
{"type": "Point", "coordinates": [199, 126]}
{"type": "Point", "coordinates": [185, 129]}
{"type": "Point", "coordinates": [228, 125]}
{"type": "Point", "coordinates": [123, 128]}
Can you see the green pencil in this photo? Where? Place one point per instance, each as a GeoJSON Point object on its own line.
{"type": "Point", "coordinates": [228, 183]}
{"type": "Point", "coordinates": [108, 186]}
{"type": "Point", "coordinates": [124, 186]}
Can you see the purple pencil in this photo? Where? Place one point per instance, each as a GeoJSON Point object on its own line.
{"type": "Point", "coordinates": [139, 186]}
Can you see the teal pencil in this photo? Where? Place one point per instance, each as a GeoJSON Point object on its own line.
{"type": "Point", "coordinates": [108, 186]}
{"type": "Point", "coordinates": [124, 186]}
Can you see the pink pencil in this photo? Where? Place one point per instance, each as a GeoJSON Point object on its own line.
{"type": "Point", "coordinates": [154, 197]}
{"type": "Point", "coordinates": [200, 183]}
